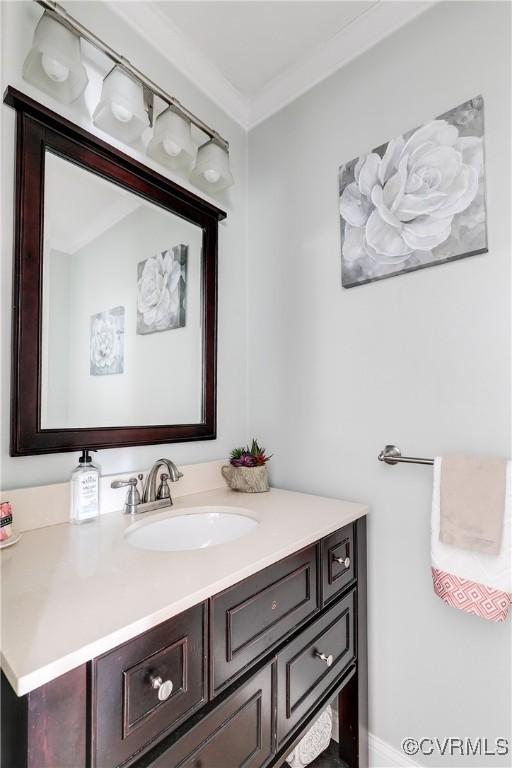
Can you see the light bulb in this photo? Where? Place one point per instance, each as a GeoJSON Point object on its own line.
{"type": "Point", "coordinates": [121, 113]}
{"type": "Point", "coordinates": [171, 147]}
{"type": "Point", "coordinates": [211, 175]}
{"type": "Point", "coordinates": [54, 69]}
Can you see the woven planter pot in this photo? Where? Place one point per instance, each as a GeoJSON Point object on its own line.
{"type": "Point", "coordinates": [246, 479]}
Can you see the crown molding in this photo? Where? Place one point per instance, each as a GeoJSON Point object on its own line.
{"type": "Point", "coordinates": [366, 30]}
{"type": "Point", "coordinates": [373, 25]}
{"type": "Point", "coordinates": [160, 32]}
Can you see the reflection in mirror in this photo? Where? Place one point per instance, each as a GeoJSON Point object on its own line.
{"type": "Point", "coordinates": [122, 325]}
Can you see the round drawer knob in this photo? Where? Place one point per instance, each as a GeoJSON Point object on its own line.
{"type": "Point", "coordinates": [164, 687]}
{"type": "Point", "coordinates": [328, 659]}
{"type": "Point", "coordinates": [343, 561]}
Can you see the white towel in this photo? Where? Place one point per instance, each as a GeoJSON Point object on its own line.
{"type": "Point", "coordinates": [471, 581]}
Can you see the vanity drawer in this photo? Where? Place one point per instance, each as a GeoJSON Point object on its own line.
{"type": "Point", "coordinates": [128, 713]}
{"type": "Point", "coordinates": [248, 619]}
{"type": "Point", "coordinates": [338, 562]}
{"type": "Point", "coordinates": [236, 734]}
{"type": "Point", "coordinates": [302, 677]}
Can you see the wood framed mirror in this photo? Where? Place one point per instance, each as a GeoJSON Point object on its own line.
{"type": "Point", "coordinates": [115, 296]}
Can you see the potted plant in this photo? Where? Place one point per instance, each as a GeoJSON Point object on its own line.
{"type": "Point", "coordinates": [247, 469]}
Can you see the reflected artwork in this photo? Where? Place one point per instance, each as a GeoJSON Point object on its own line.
{"type": "Point", "coordinates": [107, 342]}
{"type": "Point", "coordinates": [161, 289]}
{"type": "Point", "coordinates": [417, 201]}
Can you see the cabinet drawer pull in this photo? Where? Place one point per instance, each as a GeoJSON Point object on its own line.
{"type": "Point", "coordinates": [164, 687]}
{"type": "Point", "coordinates": [328, 659]}
{"type": "Point", "coordinates": [342, 561]}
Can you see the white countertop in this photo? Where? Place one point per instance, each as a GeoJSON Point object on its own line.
{"type": "Point", "coordinates": [70, 593]}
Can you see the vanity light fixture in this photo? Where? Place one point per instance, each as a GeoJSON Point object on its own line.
{"type": "Point", "coordinates": [54, 64]}
{"type": "Point", "coordinates": [172, 143]}
{"type": "Point", "coordinates": [126, 106]}
{"type": "Point", "coordinates": [121, 111]}
{"type": "Point", "coordinates": [211, 171]}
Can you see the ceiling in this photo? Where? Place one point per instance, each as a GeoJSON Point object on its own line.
{"type": "Point", "coordinates": [251, 43]}
{"type": "Point", "coordinates": [254, 56]}
{"type": "Point", "coordinates": [80, 206]}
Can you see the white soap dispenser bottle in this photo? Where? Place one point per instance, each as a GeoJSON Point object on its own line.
{"type": "Point", "coordinates": [85, 490]}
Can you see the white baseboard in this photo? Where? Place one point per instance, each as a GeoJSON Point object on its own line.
{"type": "Point", "coordinates": [381, 754]}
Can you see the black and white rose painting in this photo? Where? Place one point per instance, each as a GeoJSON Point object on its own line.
{"type": "Point", "coordinates": [161, 291]}
{"type": "Point", "coordinates": [107, 342]}
{"type": "Point", "coordinates": [417, 201]}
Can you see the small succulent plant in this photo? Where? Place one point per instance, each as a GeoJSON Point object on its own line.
{"type": "Point", "coordinates": [252, 456]}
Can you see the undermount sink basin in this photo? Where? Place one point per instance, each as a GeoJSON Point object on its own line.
{"type": "Point", "coordinates": [197, 528]}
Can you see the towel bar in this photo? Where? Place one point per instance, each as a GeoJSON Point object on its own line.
{"type": "Point", "coordinates": [390, 454]}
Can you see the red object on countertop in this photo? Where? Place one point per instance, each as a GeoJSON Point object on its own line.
{"type": "Point", "coordinates": [5, 520]}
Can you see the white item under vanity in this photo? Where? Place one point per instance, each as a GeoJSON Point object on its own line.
{"type": "Point", "coordinates": [316, 741]}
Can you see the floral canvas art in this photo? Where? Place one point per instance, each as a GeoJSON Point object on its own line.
{"type": "Point", "coordinates": [107, 342]}
{"type": "Point", "coordinates": [417, 201]}
{"type": "Point", "coordinates": [161, 291]}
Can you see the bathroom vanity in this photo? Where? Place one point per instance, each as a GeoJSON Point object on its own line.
{"type": "Point", "coordinates": [213, 658]}
{"type": "Point", "coordinates": [117, 651]}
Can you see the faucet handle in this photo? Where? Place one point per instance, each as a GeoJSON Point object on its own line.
{"type": "Point", "coordinates": [163, 492]}
{"type": "Point", "coordinates": [123, 483]}
{"type": "Point", "coordinates": [132, 497]}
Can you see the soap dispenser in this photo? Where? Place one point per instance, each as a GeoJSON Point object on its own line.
{"type": "Point", "coordinates": [85, 490]}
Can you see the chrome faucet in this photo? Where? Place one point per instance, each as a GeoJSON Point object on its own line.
{"type": "Point", "coordinates": [149, 491]}
{"type": "Point", "coordinates": [150, 500]}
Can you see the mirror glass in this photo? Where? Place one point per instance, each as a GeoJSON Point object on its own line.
{"type": "Point", "coordinates": [122, 325]}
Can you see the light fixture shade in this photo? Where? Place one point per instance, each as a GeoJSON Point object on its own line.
{"type": "Point", "coordinates": [121, 111]}
{"type": "Point", "coordinates": [54, 64]}
{"type": "Point", "coordinates": [172, 143]}
{"type": "Point", "coordinates": [211, 171]}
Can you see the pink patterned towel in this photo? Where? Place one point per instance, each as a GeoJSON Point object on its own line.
{"type": "Point", "coordinates": [471, 597]}
{"type": "Point", "coordinates": [473, 582]}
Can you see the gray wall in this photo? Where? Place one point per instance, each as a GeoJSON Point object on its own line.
{"type": "Point", "coordinates": [421, 360]}
{"type": "Point", "coordinates": [17, 28]}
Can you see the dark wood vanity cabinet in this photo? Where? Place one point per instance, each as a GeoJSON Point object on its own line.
{"type": "Point", "coordinates": [248, 619]}
{"type": "Point", "coordinates": [311, 663]}
{"type": "Point", "coordinates": [237, 732]}
{"type": "Point", "coordinates": [246, 672]}
{"type": "Point", "coordinates": [127, 712]}
{"type": "Point", "coordinates": [338, 562]}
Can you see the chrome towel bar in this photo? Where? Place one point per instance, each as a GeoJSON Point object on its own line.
{"type": "Point", "coordinates": [390, 454]}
